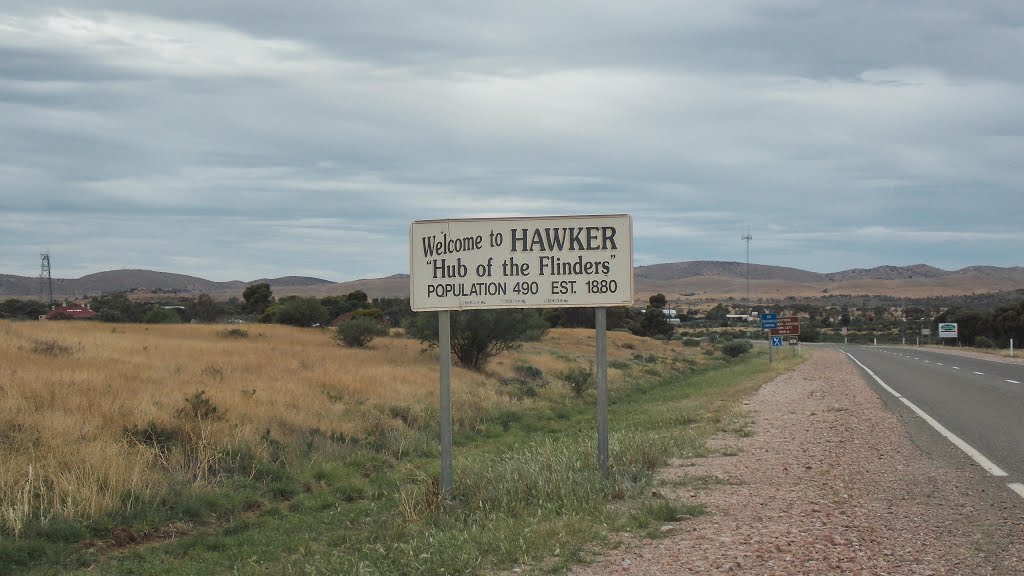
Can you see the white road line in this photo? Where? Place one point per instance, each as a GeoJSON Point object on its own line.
{"type": "Point", "coordinates": [1018, 488]}
{"type": "Point", "coordinates": [916, 358]}
{"type": "Point", "coordinates": [980, 373]}
{"type": "Point", "coordinates": [928, 361]}
{"type": "Point", "coordinates": [938, 363]}
{"type": "Point", "coordinates": [967, 448]}
{"type": "Point", "coordinates": [1013, 382]}
{"type": "Point", "coordinates": [956, 367]}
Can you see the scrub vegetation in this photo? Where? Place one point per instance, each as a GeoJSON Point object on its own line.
{"type": "Point", "coordinates": [184, 449]}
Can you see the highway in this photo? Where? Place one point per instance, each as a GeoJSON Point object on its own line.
{"type": "Point", "coordinates": [978, 402]}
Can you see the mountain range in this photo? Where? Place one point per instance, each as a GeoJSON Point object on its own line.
{"type": "Point", "coordinates": [699, 279]}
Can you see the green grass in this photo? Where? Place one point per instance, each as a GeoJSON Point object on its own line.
{"type": "Point", "coordinates": [527, 491]}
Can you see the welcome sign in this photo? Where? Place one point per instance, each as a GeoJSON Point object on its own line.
{"type": "Point", "coordinates": [542, 262]}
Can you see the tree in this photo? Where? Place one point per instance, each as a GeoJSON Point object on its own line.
{"type": "Point", "coordinates": [23, 309]}
{"type": "Point", "coordinates": [296, 311]}
{"type": "Point", "coordinates": [357, 296]}
{"type": "Point", "coordinates": [118, 308]}
{"type": "Point", "coordinates": [657, 301]}
{"type": "Point", "coordinates": [358, 332]}
{"type": "Point", "coordinates": [202, 308]}
{"type": "Point", "coordinates": [160, 315]}
{"type": "Point", "coordinates": [479, 335]}
{"type": "Point", "coordinates": [257, 297]}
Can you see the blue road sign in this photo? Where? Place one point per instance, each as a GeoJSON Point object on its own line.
{"type": "Point", "coordinates": [769, 321]}
{"type": "Point", "coordinates": [769, 317]}
{"type": "Point", "coordinates": [776, 341]}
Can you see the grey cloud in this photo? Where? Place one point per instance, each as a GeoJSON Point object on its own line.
{"type": "Point", "coordinates": [273, 139]}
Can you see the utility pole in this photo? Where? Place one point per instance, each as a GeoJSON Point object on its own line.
{"type": "Point", "coordinates": [45, 278]}
{"type": "Point", "coordinates": [748, 238]}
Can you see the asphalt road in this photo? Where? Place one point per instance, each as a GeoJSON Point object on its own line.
{"type": "Point", "coordinates": [980, 401]}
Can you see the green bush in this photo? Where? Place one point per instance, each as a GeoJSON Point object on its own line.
{"type": "Point", "coordinates": [737, 348]}
{"type": "Point", "coordinates": [691, 342]}
{"type": "Point", "coordinates": [983, 342]}
{"type": "Point", "coordinates": [358, 332]}
{"type": "Point", "coordinates": [579, 379]}
{"type": "Point", "coordinates": [199, 407]}
{"type": "Point", "coordinates": [160, 315]}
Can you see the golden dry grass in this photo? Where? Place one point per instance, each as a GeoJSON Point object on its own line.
{"type": "Point", "coordinates": [69, 391]}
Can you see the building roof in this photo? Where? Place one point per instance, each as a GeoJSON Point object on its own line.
{"type": "Point", "coordinates": [73, 312]}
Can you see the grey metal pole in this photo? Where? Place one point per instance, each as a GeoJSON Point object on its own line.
{"type": "Point", "coordinates": [444, 346]}
{"type": "Point", "coordinates": [770, 346]}
{"type": "Point", "coordinates": [601, 321]}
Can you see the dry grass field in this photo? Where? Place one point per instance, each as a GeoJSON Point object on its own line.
{"type": "Point", "coordinates": [87, 410]}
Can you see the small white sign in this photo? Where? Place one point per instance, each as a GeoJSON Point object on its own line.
{"type": "Point", "coordinates": [540, 262]}
{"type": "Point", "coordinates": [948, 330]}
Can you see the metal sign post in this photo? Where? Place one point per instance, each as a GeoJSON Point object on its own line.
{"type": "Point", "coordinates": [601, 322]}
{"type": "Point", "coordinates": [444, 348]}
{"type": "Point", "coordinates": [768, 322]}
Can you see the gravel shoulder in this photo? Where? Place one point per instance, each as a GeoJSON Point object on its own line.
{"type": "Point", "coordinates": [830, 483]}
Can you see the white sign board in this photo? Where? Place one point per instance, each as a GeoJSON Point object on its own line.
{"type": "Point", "coordinates": [541, 262]}
{"type": "Point", "coordinates": [948, 330]}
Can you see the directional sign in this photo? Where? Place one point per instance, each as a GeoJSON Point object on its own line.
{"type": "Point", "coordinates": [769, 321]}
{"type": "Point", "coordinates": [787, 326]}
{"type": "Point", "coordinates": [776, 341]}
{"type": "Point", "coordinates": [948, 330]}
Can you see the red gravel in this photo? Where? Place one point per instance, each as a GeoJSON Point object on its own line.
{"type": "Point", "coordinates": [830, 483]}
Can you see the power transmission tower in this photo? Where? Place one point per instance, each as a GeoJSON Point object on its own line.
{"type": "Point", "coordinates": [45, 279]}
{"type": "Point", "coordinates": [748, 238]}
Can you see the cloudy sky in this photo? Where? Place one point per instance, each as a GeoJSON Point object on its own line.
{"type": "Point", "coordinates": [236, 140]}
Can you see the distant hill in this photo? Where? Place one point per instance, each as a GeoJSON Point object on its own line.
{"type": "Point", "coordinates": [113, 281]}
{"type": "Point", "coordinates": [679, 281]}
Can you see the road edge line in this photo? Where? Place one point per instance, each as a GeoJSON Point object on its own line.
{"type": "Point", "coordinates": [978, 457]}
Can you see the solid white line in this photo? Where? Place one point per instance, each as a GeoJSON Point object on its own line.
{"type": "Point", "coordinates": [1018, 488]}
{"type": "Point", "coordinates": [967, 448]}
{"type": "Point", "coordinates": [877, 379]}
{"type": "Point", "coordinates": [1013, 382]}
{"type": "Point", "coordinates": [980, 373]}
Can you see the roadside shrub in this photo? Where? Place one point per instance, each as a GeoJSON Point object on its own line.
{"type": "Point", "coordinates": [528, 372]}
{"type": "Point", "coordinates": [983, 342]}
{"type": "Point", "coordinates": [526, 381]}
{"type": "Point", "coordinates": [737, 348]}
{"type": "Point", "coordinates": [199, 407]}
{"type": "Point", "coordinates": [51, 348]}
{"type": "Point", "coordinates": [691, 342]}
{"type": "Point", "coordinates": [579, 379]}
{"type": "Point", "coordinates": [358, 332]}
{"type": "Point", "coordinates": [235, 333]}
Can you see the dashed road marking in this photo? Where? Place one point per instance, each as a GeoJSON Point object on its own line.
{"type": "Point", "coordinates": [1013, 382]}
{"type": "Point", "coordinates": [956, 367]}
{"type": "Point", "coordinates": [980, 373]}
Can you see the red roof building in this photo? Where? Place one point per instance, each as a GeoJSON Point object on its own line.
{"type": "Point", "coordinates": [72, 312]}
